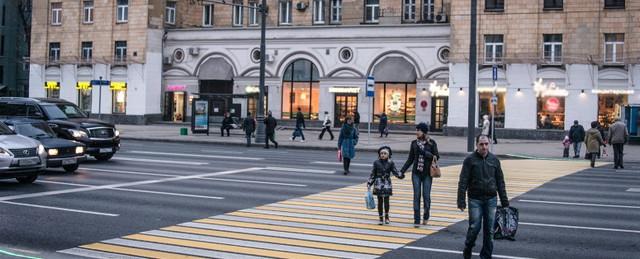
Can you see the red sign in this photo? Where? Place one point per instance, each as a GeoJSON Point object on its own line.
{"type": "Point", "coordinates": [176, 88]}
{"type": "Point", "coordinates": [552, 104]}
{"type": "Point", "coordinates": [423, 104]}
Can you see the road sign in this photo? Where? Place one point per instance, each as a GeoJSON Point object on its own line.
{"type": "Point", "coordinates": [370, 86]}
{"type": "Point", "coordinates": [100, 82]}
{"type": "Point", "coordinates": [495, 72]}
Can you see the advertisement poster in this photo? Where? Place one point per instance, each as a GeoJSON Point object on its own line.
{"type": "Point", "coordinates": [200, 122]}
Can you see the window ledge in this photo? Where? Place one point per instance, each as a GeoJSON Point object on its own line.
{"type": "Point", "coordinates": [614, 7]}
{"type": "Point", "coordinates": [494, 10]}
{"type": "Point", "coordinates": [552, 9]}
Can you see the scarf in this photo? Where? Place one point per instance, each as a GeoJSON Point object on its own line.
{"type": "Point", "coordinates": [421, 144]}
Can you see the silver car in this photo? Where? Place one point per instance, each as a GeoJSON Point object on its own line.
{"type": "Point", "coordinates": [21, 157]}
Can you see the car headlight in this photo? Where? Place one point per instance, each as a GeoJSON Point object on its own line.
{"type": "Point", "coordinates": [79, 150]}
{"type": "Point", "coordinates": [53, 152]}
{"type": "Point", "coordinates": [41, 149]}
{"type": "Point", "coordinates": [117, 133]}
{"type": "Point", "coordinates": [78, 134]}
{"type": "Point", "coordinates": [4, 152]}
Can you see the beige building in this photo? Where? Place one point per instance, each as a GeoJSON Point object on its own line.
{"type": "Point", "coordinates": [558, 61]}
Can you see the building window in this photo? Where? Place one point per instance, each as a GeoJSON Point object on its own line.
{"type": "Point", "coordinates": [237, 13]}
{"type": "Point", "coordinates": [613, 48]}
{"type": "Point", "coordinates": [301, 89]}
{"type": "Point", "coordinates": [552, 48]}
{"type": "Point", "coordinates": [372, 11]}
{"type": "Point", "coordinates": [494, 5]}
{"type": "Point", "coordinates": [170, 12]}
{"type": "Point", "coordinates": [207, 15]}
{"type": "Point", "coordinates": [54, 51]}
{"type": "Point", "coordinates": [551, 112]}
{"type": "Point", "coordinates": [614, 4]}
{"type": "Point", "coordinates": [253, 14]}
{"type": "Point", "coordinates": [486, 108]}
{"type": "Point", "coordinates": [336, 11]}
{"type": "Point", "coordinates": [318, 11]}
{"type": "Point", "coordinates": [428, 10]}
{"type": "Point", "coordinates": [396, 100]}
{"type": "Point", "coordinates": [122, 11]}
{"type": "Point", "coordinates": [87, 51]}
{"type": "Point", "coordinates": [87, 12]}
{"type": "Point", "coordinates": [119, 100]}
{"type": "Point", "coordinates": [553, 4]}
{"type": "Point", "coordinates": [494, 47]}
{"type": "Point", "coordinates": [56, 13]}
{"type": "Point", "coordinates": [53, 89]}
{"type": "Point", "coordinates": [121, 51]}
{"type": "Point", "coordinates": [285, 12]}
{"type": "Point", "coordinates": [409, 11]}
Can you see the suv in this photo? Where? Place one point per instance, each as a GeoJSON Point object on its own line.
{"type": "Point", "coordinates": [68, 121]}
{"type": "Point", "coordinates": [21, 157]}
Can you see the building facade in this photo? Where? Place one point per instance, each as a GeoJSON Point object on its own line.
{"type": "Point", "coordinates": [14, 48]}
{"type": "Point", "coordinates": [116, 41]}
{"type": "Point", "coordinates": [558, 61]}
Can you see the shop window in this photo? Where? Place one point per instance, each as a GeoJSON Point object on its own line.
{"type": "Point", "coordinates": [409, 11]}
{"type": "Point", "coordinates": [336, 11]}
{"type": "Point", "coordinates": [372, 11]}
{"type": "Point", "coordinates": [551, 112]}
{"type": "Point", "coordinates": [610, 107]}
{"type": "Point", "coordinates": [397, 101]}
{"type": "Point", "coordinates": [84, 100]}
{"type": "Point", "coordinates": [300, 89]}
{"type": "Point", "coordinates": [119, 101]}
{"type": "Point", "coordinates": [613, 48]}
{"type": "Point", "coordinates": [494, 5]}
{"type": "Point", "coordinates": [53, 89]}
{"type": "Point", "coordinates": [486, 108]}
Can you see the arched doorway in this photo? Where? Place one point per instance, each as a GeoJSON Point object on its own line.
{"type": "Point", "coordinates": [395, 90]}
{"type": "Point", "coordinates": [216, 84]}
{"type": "Point", "coordinates": [301, 89]}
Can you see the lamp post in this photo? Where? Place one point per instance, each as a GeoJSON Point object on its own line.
{"type": "Point", "coordinates": [471, 119]}
{"type": "Point", "coordinates": [260, 129]}
{"type": "Point", "coordinates": [100, 99]}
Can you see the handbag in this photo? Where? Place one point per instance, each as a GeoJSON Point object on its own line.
{"type": "Point", "coordinates": [506, 223]}
{"type": "Point", "coordinates": [339, 155]}
{"type": "Point", "coordinates": [435, 169]}
{"type": "Point", "coordinates": [369, 202]}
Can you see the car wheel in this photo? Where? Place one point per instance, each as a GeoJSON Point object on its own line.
{"type": "Point", "coordinates": [104, 157]}
{"type": "Point", "coordinates": [70, 168]}
{"type": "Point", "coordinates": [27, 179]}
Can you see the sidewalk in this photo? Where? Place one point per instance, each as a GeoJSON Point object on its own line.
{"type": "Point", "coordinates": [399, 142]}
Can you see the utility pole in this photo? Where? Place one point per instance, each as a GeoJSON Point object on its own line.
{"type": "Point", "coordinates": [260, 129]}
{"type": "Point", "coordinates": [471, 122]}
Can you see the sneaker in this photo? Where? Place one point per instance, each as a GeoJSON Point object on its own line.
{"type": "Point", "coordinates": [381, 221]}
{"type": "Point", "coordinates": [621, 167]}
{"type": "Point", "coordinates": [276, 145]}
{"type": "Point", "coordinates": [386, 220]}
{"type": "Point", "coordinates": [466, 253]}
{"type": "Point", "coordinates": [291, 138]}
{"type": "Point", "coordinates": [302, 141]}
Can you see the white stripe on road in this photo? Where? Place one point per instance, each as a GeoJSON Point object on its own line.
{"type": "Point", "coordinates": [61, 209]}
{"type": "Point", "coordinates": [169, 193]}
{"type": "Point", "coordinates": [579, 227]}
{"type": "Point", "coordinates": [95, 254]}
{"type": "Point", "coordinates": [299, 170]}
{"type": "Point", "coordinates": [460, 252]}
{"type": "Point", "coordinates": [339, 163]}
{"type": "Point", "coordinates": [126, 172]}
{"type": "Point", "coordinates": [158, 161]}
{"type": "Point", "coordinates": [221, 151]}
{"type": "Point", "coordinates": [634, 190]}
{"type": "Point", "coordinates": [195, 155]}
{"type": "Point", "coordinates": [259, 182]}
{"type": "Point", "coordinates": [582, 204]}
{"type": "Point", "coordinates": [176, 249]}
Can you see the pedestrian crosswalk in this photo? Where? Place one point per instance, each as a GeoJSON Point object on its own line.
{"type": "Point", "coordinates": [332, 224]}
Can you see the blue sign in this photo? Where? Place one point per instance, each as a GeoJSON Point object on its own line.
{"type": "Point", "coordinates": [370, 86]}
{"type": "Point", "coordinates": [98, 82]}
{"type": "Point", "coordinates": [495, 72]}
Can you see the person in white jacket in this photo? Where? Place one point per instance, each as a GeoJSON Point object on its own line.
{"type": "Point", "coordinates": [485, 125]}
{"type": "Point", "coordinates": [326, 126]}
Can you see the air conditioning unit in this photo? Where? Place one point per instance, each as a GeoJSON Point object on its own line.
{"type": "Point", "coordinates": [269, 58]}
{"type": "Point", "coordinates": [194, 51]}
{"type": "Point", "coordinates": [441, 18]}
{"type": "Point", "coordinates": [166, 60]}
{"type": "Point", "coordinates": [301, 6]}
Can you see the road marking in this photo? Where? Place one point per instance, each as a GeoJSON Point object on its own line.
{"type": "Point", "coordinates": [141, 191]}
{"type": "Point", "coordinates": [158, 161]}
{"type": "Point", "coordinates": [120, 185]}
{"type": "Point", "coordinates": [580, 227]}
{"type": "Point", "coordinates": [259, 182]}
{"type": "Point", "coordinates": [95, 254]}
{"type": "Point", "coordinates": [634, 190]}
{"type": "Point", "coordinates": [582, 204]}
{"type": "Point", "coordinates": [134, 251]}
{"type": "Point", "coordinates": [126, 172]}
{"type": "Point", "coordinates": [338, 163]}
{"type": "Point", "coordinates": [299, 170]}
{"type": "Point", "coordinates": [63, 183]}
{"type": "Point", "coordinates": [221, 151]}
{"type": "Point", "coordinates": [196, 155]}
{"type": "Point", "coordinates": [176, 249]}
{"type": "Point", "coordinates": [61, 209]}
{"type": "Point", "coordinates": [460, 252]}
{"type": "Point", "coordinates": [17, 255]}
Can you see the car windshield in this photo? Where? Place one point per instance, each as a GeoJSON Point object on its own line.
{"type": "Point", "coordinates": [71, 111]}
{"type": "Point", "coordinates": [35, 130]}
{"type": "Point", "coordinates": [54, 112]}
{"type": "Point", "coordinates": [4, 130]}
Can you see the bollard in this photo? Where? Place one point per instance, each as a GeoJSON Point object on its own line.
{"type": "Point", "coordinates": [183, 131]}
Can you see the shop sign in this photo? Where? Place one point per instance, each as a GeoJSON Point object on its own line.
{"type": "Point", "coordinates": [176, 88]}
{"type": "Point", "coordinates": [118, 86]}
{"type": "Point", "coordinates": [344, 90]}
{"type": "Point", "coordinates": [490, 89]}
{"type": "Point", "coordinates": [438, 90]}
{"type": "Point", "coordinates": [52, 85]}
{"type": "Point", "coordinates": [552, 104]}
{"type": "Point", "coordinates": [544, 89]}
{"type": "Point", "coordinates": [83, 85]}
{"type": "Point", "coordinates": [612, 91]}
{"type": "Point", "coordinates": [252, 89]}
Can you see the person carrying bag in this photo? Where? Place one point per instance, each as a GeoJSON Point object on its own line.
{"type": "Point", "coordinates": [380, 180]}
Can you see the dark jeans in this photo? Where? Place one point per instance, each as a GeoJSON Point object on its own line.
{"type": "Point", "coordinates": [481, 212]}
{"type": "Point", "coordinates": [299, 130]}
{"type": "Point", "coordinates": [270, 136]}
{"type": "Point", "coordinates": [565, 153]}
{"type": "Point", "coordinates": [383, 202]}
{"type": "Point", "coordinates": [327, 129]}
{"type": "Point", "coordinates": [248, 136]}
{"type": "Point", "coordinates": [226, 127]}
{"type": "Point", "coordinates": [345, 163]}
{"type": "Point", "coordinates": [618, 152]}
{"type": "Point", "coordinates": [421, 188]}
{"type": "Point", "coordinates": [594, 155]}
{"type": "Point", "coordinates": [576, 148]}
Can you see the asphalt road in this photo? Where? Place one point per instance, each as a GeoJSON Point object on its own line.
{"type": "Point", "coordinates": [150, 186]}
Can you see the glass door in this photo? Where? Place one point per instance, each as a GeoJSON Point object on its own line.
{"type": "Point", "coordinates": [345, 105]}
{"type": "Point", "coordinates": [439, 106]}
{"type": "Point", "coordinates": [168, 106]}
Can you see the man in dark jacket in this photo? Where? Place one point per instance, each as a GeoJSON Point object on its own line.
{"type": "Point", "coordinates": [249, 125]}
{"type": "Point", "coordinates": [270, 130]}
{"type": "Point", "coordinates": [226, 124]}
{"type": "Point", "coordinates": [576, 135]}
{"type": "Point", "coordinates": [481, 178]}
{"type": "Point", "coordinates": [299, 126]}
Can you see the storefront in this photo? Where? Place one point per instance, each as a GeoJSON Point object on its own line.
{"type": "Point", "coordinates": [611, 103]}
{"type": "Point", "coordinates": [52, 88]}
{"type": "Point", "coordinates": [550, 105]}
{"type": "Point", "coordinates": [253, 94]}
{"type": "Point", "coordinates": [486, 106]}
{"type": "Point", "coordinates": [345, 102]}
{"type": "Point", "coordinates": [84, 95]}
{"type": "Point", "coordinates": [175, 103]}
{"type": "Point", "coordinates": [397, 101]}
{"type": "Point", "coordinates": [118, 97]}
{"type": "Point", "coordinates": [301, 90]}
{"type": "Point", "coordinates": [439, 105]}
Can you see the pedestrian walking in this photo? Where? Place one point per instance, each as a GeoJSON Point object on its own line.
{"type": "Point", "coordinates": [492, 131]}
{"type": "Point", "coordinates": [326, 126]}
{"type": "Point", "coordinates": [593, 141]}
{"type": "Point", "coordinates": [422, 153]}
{"type": "Point", "coordinates": [566, 142]}
{"type": "Point", "coordinates": [249, 126]}
{"type": "Point", "coordinates": [297, 132]}
{"type": "Point", "coordinates": [347, 141]}
{"type": "Point", "coordinates": [481, 178]}
{"type": "Point", "coordinates": [383, 127]}
{"type": "Point", "coordinates": [618, 137]}
{"type": "Point", "coordinates": [576, 135]}
{"type": "Point", "coordinates": [356, 119]}
{"type": "Point", "coordinates": [270, 130]}
{"type": "Point", "coordinates": [380, 179]}
{"type": "Point", "coordinates": [485, 125]}
{"type": "Point", "coordinates": [226, 124]}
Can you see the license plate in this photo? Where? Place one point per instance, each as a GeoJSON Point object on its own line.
{"type": "Point", "coordinates": [29, 161]}
{"type": "Point", "coordinates": [71, 161]}
{"type": "Point", "coordinates": [106, 150]}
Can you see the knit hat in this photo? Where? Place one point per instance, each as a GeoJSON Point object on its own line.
{"type": "Point", "coordinates": [422, 127]}
{"type": "Point", "coordinates": [385, 147]}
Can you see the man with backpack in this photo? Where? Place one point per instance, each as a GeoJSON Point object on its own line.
{"type": "Point", "coordinates": [576, 136]}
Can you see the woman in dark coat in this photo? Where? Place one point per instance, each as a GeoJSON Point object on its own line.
{"type": "Point", "coordinates": [347, 142]}
{"type": "Point", "coordinates": [380, 179]}
{"type": "Point", "coordinates": [382, 127]}
{"type": "Point", "coordinates": [421, 154]}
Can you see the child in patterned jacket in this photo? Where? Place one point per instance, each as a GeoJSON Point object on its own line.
{"type": "Point", "coordinates": [380, 179]}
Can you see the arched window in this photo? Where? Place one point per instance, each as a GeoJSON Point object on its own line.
{"type": "Point", "coordinates": [300, 89]}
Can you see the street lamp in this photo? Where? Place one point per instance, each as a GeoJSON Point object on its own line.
{"type": "Point", "coordinates": [471, 119]}
{"type": "Point", "coordinates": [260, 129]}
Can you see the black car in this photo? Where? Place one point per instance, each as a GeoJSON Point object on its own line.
{"type": "Point", "coordinates": [101, 139]}
{"type": "Point", "coordinates": [60, 152]}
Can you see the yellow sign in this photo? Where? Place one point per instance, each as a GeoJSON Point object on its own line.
{"type": "Point", "coordinates": [52, 85]}
{"type": "Point", "coordinates": [83, 85]}
{"type": "Point", "coordinates": [118, 86]}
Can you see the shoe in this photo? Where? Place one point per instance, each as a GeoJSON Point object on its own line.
{"type": "Point", "coordinates": [386, 220]}
{"type": "Point", "coordinates": [621, 167]}
{"type": "Point", "coordinates": [615, 167]}
{"type": "Point", "coordinates": [424, 222]}
{"type": "Point", "coordinates": [416, 224]}
{"type": "Point", "coordinates": [276, 145]}
{"type": "Point", "coordinates": [291, 138]}
{"type": "Point", "coordinates": [466, 253]}
{"type": "Point", "coordinates": [381, 221]}
{"type": "Point", "coordinates": [346, 172]}
{"type": "Point", "coordinates": [302, 141]}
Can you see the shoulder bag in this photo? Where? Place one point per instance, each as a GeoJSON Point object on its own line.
{"type": "Point", "coordinates": [435, 169]}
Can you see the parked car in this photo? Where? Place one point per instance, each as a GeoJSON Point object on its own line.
{"type": "Point", "coordinates": [21, 157]}
{"type": "Point", "coordinates": [60, 152]}
{"type": "Point", "coordinates": [101, 139]}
